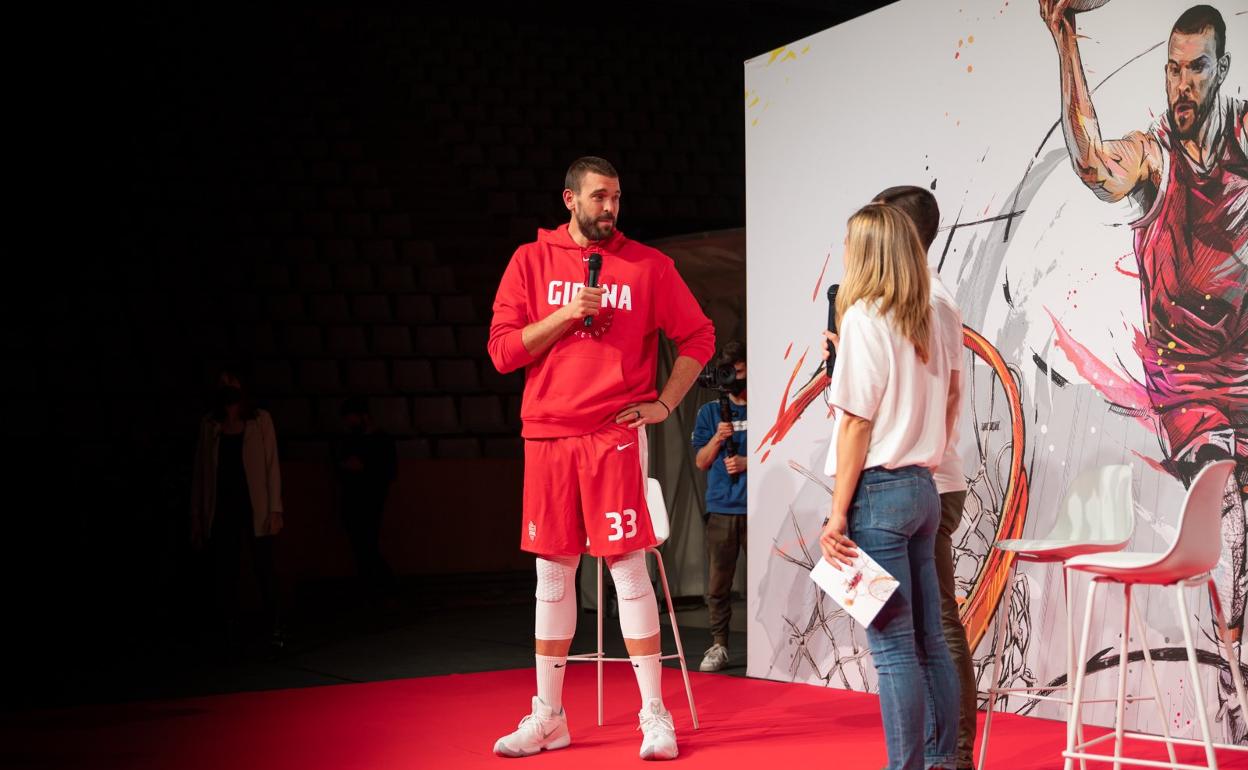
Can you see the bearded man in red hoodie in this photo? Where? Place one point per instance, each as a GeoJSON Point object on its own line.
{"type": "Point", "coordinates": [590, 356]}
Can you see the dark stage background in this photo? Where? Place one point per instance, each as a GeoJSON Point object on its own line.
{"type": "Point", "coordinates": [328, 195]}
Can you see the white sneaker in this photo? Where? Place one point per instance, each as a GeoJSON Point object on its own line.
{"type": "Point", "coordinates": [542, 730]}
{"type": "Point", "coordinates": [715, 658]}
{"type": "Point", "coordinates": [658, 735]}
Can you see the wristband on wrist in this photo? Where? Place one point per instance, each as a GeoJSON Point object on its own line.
{"type": "Point", "coordinates": [665, 406]}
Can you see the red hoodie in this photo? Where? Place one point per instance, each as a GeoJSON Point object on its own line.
{"type": "Point", "coordinates": [582, 381]}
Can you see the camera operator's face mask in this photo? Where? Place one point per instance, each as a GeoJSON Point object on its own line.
{"type": "Point", "coordinates": [737, 387]}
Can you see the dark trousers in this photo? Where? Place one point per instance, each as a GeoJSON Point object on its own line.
{"type": "Point", "coordinates": [361, 518]}
{"type": "Point", "coordinates": [231, 533]}
{"type": "Point", "coordinates": [955, 634]}
{"type": "Point", "coordinates": [725, 539]}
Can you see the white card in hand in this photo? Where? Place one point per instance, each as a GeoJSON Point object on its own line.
{"type": "Point", "coordinates": [861, 588]}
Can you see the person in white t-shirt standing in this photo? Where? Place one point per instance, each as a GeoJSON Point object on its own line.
{"type": "Point", "coordinates": [891, 389]}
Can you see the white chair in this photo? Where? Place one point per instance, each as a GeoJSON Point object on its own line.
{"type": "Point", "coordinates": [1097, 515]}
{"type": "Point", "coordinates": [1185, 564]}
{"type": "Point", "coordinates": [662, 530]}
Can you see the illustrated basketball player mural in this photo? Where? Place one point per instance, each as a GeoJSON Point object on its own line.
{"type": "Point", "coordinates": [1106, 310]}
{"type": "Point", "coordinates": [1188, 173]}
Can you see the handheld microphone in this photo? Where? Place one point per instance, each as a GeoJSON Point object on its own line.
{"type": "Point", "coordinates": [832, 325]}
{"type": "Point", "coordinates": [595, 267]}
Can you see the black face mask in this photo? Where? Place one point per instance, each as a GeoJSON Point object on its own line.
{"type": "Point", "coordinates": [737, 387]}
{"type": "Point", "coordinates": [228, 396]}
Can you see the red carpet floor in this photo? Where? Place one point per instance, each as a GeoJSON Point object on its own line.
{"type": "Point", "coordinates": [452, 721]}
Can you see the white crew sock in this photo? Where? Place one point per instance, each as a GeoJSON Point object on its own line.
{"type": "Point", "coordinates": [550, 680]}
{"type": "Point", "coordinates": [649, 671]}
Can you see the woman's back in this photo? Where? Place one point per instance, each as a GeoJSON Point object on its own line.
{"type": "Point", "coordinates": [880, 377]}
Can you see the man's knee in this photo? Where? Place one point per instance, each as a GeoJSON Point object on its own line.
{"type": "Point", "coordinates": [639, 613]}
{"type": "Point", "coordinates": [556, 599]}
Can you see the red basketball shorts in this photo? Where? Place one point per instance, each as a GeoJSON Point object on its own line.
{"type": "Point", "coordinates": [586, 487]}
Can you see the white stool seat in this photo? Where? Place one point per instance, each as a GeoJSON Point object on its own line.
{"type": "Point", "coordinates": [1129, 567]}
{"type": "Point", "coordinates": [659, 522]}
{"type": "Point", "coordinates": [1057, 550]}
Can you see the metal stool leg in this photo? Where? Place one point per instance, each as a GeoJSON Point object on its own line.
{"type": "Point", "coordinates": [601, 649]}
{"type": "Point", "coordinates": [1003, 615]}
{"type": "Point", "coordinates": [1152, 674]}
{"type": "Point", "coordinates": [680, 649]}
{"type": "Point", "coordinates": [1071, 664]}
{"type": "Point", "coordinates": [1123, 655]}
{"type": "Point", "coordinates": [1203, 717]}
{"type": "Point", "coordinates": [1074, 719]}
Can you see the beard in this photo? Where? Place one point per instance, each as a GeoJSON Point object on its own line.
{"type": "Point", "coordinates": [1198, 112]}
{"type": "Point", "coordinates": [595, 229]}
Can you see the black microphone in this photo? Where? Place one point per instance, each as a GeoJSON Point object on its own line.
{"type": "Point", "coordinates": [595, 267]}
{"type": "Point", "coordinates": [832, 325]}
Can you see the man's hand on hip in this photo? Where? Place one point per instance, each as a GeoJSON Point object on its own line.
{"type": "Point", "coordinates": [645, 413]}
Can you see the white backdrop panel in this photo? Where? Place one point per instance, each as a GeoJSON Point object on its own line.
{"type": "Point", "coordinates": [962, 98]}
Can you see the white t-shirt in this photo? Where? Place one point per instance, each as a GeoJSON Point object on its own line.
{"type": "Point", "coordinates": [879, 377]}
{"type": "Point", "coordinates": [948, 319]}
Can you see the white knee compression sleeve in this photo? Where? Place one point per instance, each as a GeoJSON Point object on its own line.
{"type": "Point", "coordinates": [556, 598]}
{"type": "Point", "coordinates": [639, 613]}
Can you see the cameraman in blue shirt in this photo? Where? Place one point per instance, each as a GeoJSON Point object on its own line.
{"type": "Point", "coordinates": [720, 442]}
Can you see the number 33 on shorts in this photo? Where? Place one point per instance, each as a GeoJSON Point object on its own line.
{"type": "Point", "coordinates": [622, 526]}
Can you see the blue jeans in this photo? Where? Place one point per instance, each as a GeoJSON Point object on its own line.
{"type": "Point", "coordinates": [894, 517]}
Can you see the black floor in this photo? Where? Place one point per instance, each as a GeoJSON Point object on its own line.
{"type": "Point", "coordinates": [334, 634]}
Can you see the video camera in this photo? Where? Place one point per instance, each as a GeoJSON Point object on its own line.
{"type": "Point", "coordinates": [718, 377]}
{"type": "Point", "coordinates": [722, 377]}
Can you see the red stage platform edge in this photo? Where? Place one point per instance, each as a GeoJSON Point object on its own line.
{"type": "Point", "coordinates": [452, 722]}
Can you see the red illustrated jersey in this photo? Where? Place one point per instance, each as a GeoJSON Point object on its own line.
{"type": "Point", "coordinates": [582, 381]}
{"type": "Point", "coordinates": [1192, 249]}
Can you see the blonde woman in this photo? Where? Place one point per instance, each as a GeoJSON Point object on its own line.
{"type": "Point", "coordinates": [891, 389]}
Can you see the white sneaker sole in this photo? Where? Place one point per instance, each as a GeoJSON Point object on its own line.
{"type": "Point", "coordinates": [656, 756]}
{"type": "Point", "coordinates": [503, 750]}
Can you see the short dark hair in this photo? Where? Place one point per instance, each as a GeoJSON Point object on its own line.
{"type": "Point", "coordinates": [1197, 19]}
{"type": "Point", "coordinates": [918, 204]}
{"type": "Point", "coordinates": [732, 353]}
{"type": "Point", "coordinates": [582, 166]}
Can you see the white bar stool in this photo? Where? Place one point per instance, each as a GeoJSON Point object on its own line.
{"type": "Point", "coordinates": [662, 530]}
{"type": "Point", "coordinates": [1185, 564]}
{"type": "Point", "coordinates": [1097, 515]}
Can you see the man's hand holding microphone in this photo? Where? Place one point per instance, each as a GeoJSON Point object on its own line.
{"type": "Point", "coordinates": [586, 304]}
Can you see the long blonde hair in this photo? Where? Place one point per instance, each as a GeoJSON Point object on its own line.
{"type": "Point", "coordinates": [886, 262]}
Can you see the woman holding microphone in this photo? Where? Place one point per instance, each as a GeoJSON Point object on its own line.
{"type": "Point", "coordinates": [891, 391]}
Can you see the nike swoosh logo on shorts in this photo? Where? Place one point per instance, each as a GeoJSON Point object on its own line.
{"type": "Point", "coordinates": [622, 447]}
